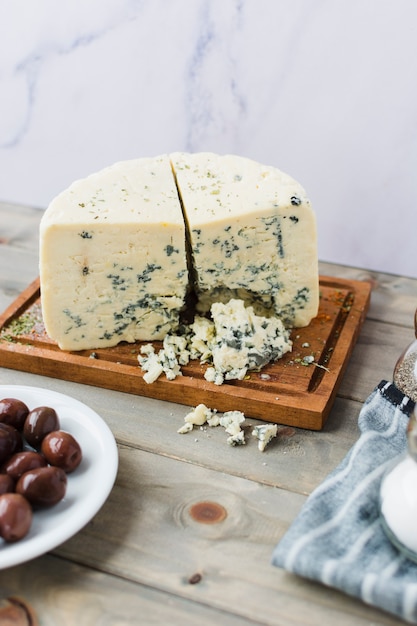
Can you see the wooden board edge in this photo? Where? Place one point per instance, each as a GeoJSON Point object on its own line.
{"type": "Point", "coordinates": [303, 410]}
{"type": "Point", "coordinates": [21, 302]}
{"type": "Point", "coordinates": [350, 330]}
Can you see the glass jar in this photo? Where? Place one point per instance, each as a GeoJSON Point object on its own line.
{"type": "Point", "coordinates": [398, 494]}
{"type": "Point", "coordinates": [405, 371]}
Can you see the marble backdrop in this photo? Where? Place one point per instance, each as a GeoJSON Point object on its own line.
{"type": "Point", "coordinates": [326, 90]}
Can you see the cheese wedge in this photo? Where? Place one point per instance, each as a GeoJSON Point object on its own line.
{"type": "Point", "coordinates": [113, 261]}
{"type": "Point", "coordinates": [252, 235]}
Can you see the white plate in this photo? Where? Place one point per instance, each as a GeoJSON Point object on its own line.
{"type": "Point", "coordinates": [88, 486]}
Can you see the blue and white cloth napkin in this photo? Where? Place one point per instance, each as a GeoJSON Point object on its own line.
{"type": "Point", "coordinates": [338, 538]}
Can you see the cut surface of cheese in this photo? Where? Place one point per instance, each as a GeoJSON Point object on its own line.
{"type": "Point", "coordinates": [113, 261]}
{"type": "Point", "coordinates": [252, 235]}
{"type": "Point", "coordinates": [121, 249]}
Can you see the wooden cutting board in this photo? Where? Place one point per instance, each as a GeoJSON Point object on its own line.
{"type": "Point", "coordinates": [291, 391]}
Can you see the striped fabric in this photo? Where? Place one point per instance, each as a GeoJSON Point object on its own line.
{"type": "Point", "coordinates": [337, 538]}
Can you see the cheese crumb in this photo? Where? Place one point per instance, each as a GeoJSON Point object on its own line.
{"type": "Point", "coordinates": [237, 440]}
{"type": "Point", "coordinates": [264, 433]}
{"type": "Point", "coordinates": [231, 421]}
{"type": "Point", "coordinates": [197, 417]}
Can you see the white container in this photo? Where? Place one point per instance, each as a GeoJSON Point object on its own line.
{"type": "Point", "coordinates": [398, 506]}
{"type": "Point", "coordinates": [405, 371]}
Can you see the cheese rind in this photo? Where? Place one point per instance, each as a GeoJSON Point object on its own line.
{"type": "Point", "coordinates": [252, 235]}
{"type": "Point", "coordinates": [113, 262]}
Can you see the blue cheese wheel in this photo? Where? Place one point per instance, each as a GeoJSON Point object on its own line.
{"type": "Point", "coordinates": [121, 249]}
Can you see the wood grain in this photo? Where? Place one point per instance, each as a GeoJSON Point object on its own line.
{"type": "Point", "coordinates": [155, 541]}
{"type": "Point", "coordinates": [287, 391]}
{"type": "Point", "coordinates": [133, 562]}
{"type": "Point", "coordinates": [64, 593]}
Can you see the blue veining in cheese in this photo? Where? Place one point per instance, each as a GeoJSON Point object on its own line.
{"type": "Point", "coordinates": [234, 342]}
{"type": "Point", "coordinates": [252, 235]}
{"type": "Point", "coordinates": [264, 433]}
{"type": "Point", "coordinates": [113, 263]}
{"type": "Point", "coordinates": [243, 341]}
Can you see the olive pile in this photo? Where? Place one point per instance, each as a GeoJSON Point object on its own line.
{"type": "Point", "coordinates": [35, 458]}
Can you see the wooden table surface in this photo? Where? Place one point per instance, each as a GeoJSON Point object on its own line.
{"type": "Point", "coordinates": [144, 559]}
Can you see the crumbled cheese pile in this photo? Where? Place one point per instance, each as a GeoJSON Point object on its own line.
{"type": "Point", "coordinates": [233, 342]}
{"type": "Point", "coordinates": [232, 422]}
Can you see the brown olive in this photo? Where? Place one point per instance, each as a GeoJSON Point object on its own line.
{"type": "Point", "coordinates": [6, 485]}
{"type": "Point", "coordinates": [15, 516]}
{"type": "Point", "coordinates": [43, 486]}
{"type": "Point", "coordinates": [62, 449]}
{"type": "Point", "coordinates": [13, 411]}
{"type": "Point", "coordinates": [7, 444]}
{"type": "Point", "coordinates": [22, 462]}
{"type": "Point", "coordinates": [15, 436]}
{"type": "Point", "coordinates": [38, 423]}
